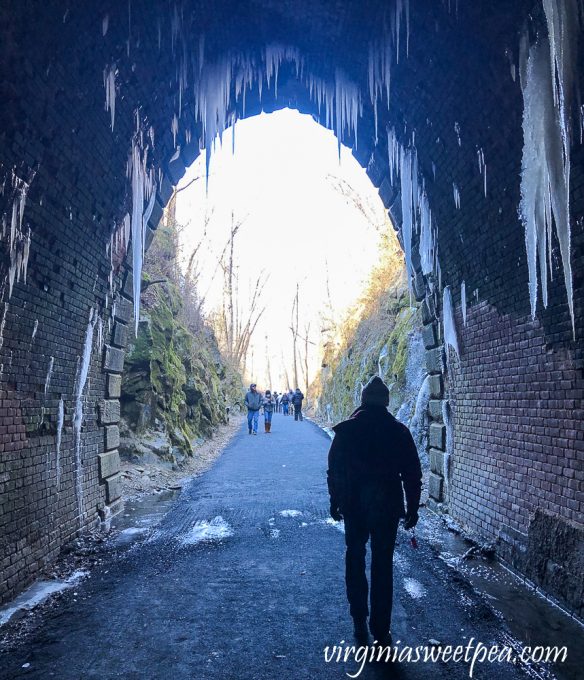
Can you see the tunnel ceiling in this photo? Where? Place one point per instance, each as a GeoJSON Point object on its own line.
{"type": "Point", "coordinates": [434, 85]}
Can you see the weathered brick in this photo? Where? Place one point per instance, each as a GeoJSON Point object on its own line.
{"type": "Point", "coordinates": [109, 411]}
{"type": "Point", "coordinates": [112, 437]}
{"type": "Point", "coordinates": [435, 483]}
{"type": "Point", "coordinates": [113, 488]}
{"type": "Point", "coordinates": [109, 464]}
{"type": "Point", "coordinates": [437, 436]}
{"type": "Point", "coordinates": [114, 359]}
{"type": "Point", "coordinates": [114, 386]}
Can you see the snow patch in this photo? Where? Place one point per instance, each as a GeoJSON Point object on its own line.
{"type": "Point", "coordinates": [414, 588]}
{"type": "Point", "coordinates": [290, 513]}
{"type": "Point", "coordinates": [38, 593]}
{"type": "Point", "coordinates": [214, 530]}
{"type": "Point", "coordinates": [340, 526]}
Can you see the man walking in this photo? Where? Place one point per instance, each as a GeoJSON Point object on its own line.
{"type": "Point", "coordinates": [253, 401]}
{"type": "Point", "coordinates": [297, 403]}
{"type": "Point", "coordinates": [372, 461]}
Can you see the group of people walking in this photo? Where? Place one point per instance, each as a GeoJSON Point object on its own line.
{"type": "Point", "coordinates": [287, 403]}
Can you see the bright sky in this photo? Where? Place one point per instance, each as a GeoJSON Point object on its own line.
{"type": "Point", "coordinates": [283, 181]}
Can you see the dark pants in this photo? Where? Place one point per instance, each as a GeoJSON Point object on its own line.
{"type": "Point", "coordinates": [297, 413]}
{"type": "Point", "coordinates": [358, 530]}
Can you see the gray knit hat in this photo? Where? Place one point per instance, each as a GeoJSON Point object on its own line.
{"type": "Point", "coordinates": [375, 393]}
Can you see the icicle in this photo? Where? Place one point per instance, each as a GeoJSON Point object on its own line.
{"type": "Point", "coordinates": [142, 187]}
{"type": "Point", "coordinates": [104, 25]}
{"type": "Point", "coordinates": [60, 421]}
{"type": "Point", "coordinates": [463, 301]}
{"type": "Point", "coordinates": [545, 167]}
{"type": "Point", "coordinates": [3, 324]}
{"type": "Point", "coordinates": [34, 328]}
{"type": "Point", "coordinates": [49, 374]}
{"type": "Point", "coordinates": [83, 372]}
{"type": "Point", "coordinates": [456, 193]}
{"type": "Point", "coordinates": [109, 82]}
{"type": "Point", "coordinates": [174, 129]}
{"type": "Point", "coordinates": [482, 168]}
{"type": "Point", "coordinates": [347, 107]}
{"type": "Point", "coordinates": [457, 130]}
{"type": "Point", "coordinates": [393, 154]}
{"type": "Point", "coordinates": [426, 246]}
{"type": "Point", "coordinates": [19, 242]}
{"type": "Point", "coordinates": [409, 200]}
{"type": "Point", "coordinates": [449, 325]}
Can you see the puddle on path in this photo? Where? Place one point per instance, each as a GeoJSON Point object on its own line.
{"type": "Point", "coordinates": [141, 514]}
{"type": "Point", "coordinates": [532, 619]}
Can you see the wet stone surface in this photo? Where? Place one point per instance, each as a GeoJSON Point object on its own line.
{"type": "Point", "coordinates": [242, 577]}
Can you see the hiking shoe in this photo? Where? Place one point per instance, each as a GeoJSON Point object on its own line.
{"type": "Point", "coordinates": [360, 631]}
{"type": "Point", "coordinates": [382, 639]}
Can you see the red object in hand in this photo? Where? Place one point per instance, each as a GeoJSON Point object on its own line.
{"type": "Point", "coordinates": [413, 541]}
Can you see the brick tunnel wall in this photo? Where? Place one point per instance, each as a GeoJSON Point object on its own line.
{"type": "Point", "coordinates": [512, 468]}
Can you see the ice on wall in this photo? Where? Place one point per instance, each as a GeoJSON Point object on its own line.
{"type": "Point", "coordinates": [427, 237]}
{"type": "Point", "coordinates": [18, 237]}
{"type": "Point", "coordinates": [104, 25]}
{"type": "Point", "coordinates": [482, 169]}
{"type": "Point", "coordinates": [143, 188]}
{"type": "Point", "coordinates": [456, 193]}
{"type": "Point", "coordinates": [82, 375]}
{"type": "Point", "coordinates": [60, 421]}
{"type": "Point", "coordinates": [409, 200]}
{"type": "Point", "coordinates": [49, 374]}
{"type": "Point", "coordinates": [463, 301]}
{"type": "Point", "coordinates": [448, 322]}
{"type": "Point", "coordinates": [547, 82]}
{"type": "Point", "coordinates": [109, 83]}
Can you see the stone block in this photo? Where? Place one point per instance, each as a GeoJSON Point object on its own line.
{"type": "Point", "coordinates": [114, 386]}
{"type": "Point", "coordinates": [120, 335]}
{"type": "Point", "coordinates": [435, 486]}
{"type": "Point", "coordinates": [190, 152]}
{"type": "Point", "coordinates": [112, 437]}
{"type": "Point", "coordinates": [166, 190]}
{"type": "Point", "coordinates": [113, 487]}
{"type": "Point", "coordinates": [387, 192]}
{"type": "Point", "coordinates": [419, 286]}
{"type": "Point", "coordinates": [109, 411]}
{"type": "Point", "coordinates": [430, 336]}
{"type": "Point", "coordinates": [176, 170]}
{"type": "Point", "coordinates": [109, 464]}
{"type": "Point", "coordinates": [377, 167]}
{"type": "Point", "coordinates": [437, 461]}
{"type": "Point", "coordinates": [435, 360]}
{"type": "Point", "coordinates": [149, 235]}
{"type": "Point", "coordinates": [437, 436]}
{"type": "Point", "coordinates": [428, 310]}
{"type": "Point", "coordinates": [435, 409]}
{"type": "Point", "coordinates": [436, 386]}
{"type": "Point", "coordinates": [156, 216]}
{"type": "Point", "coordinates": [128, 285]}
{"type": "Point", "coordinates": [114, 359]}
{"type": "Point", "coordinates": [124, 310]}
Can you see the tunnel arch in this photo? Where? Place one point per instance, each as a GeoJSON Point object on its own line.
{"type": "Point", "coordinates": [455, 113]}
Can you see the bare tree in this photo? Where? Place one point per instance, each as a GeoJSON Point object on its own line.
{"type": "Point", "coordinates": [235, 323]}
{"type": "Point", "coordinates": [294, 330]}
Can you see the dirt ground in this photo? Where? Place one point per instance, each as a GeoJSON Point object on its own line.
{"type": "Point", "coordinates": [140, 479]}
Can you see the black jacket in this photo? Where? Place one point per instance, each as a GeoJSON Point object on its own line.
{"type": "Point", "coordinates": [372, 461]}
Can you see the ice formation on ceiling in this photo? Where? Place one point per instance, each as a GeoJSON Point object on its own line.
{"type": "Point", "coordinates": [547, 70]}
{"type": "Point", "coordinates": [143, 192]}
{"type": "Point", "coordinates": [382, 53]}
{"type": "Point", "coordinates": [415, 206]}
